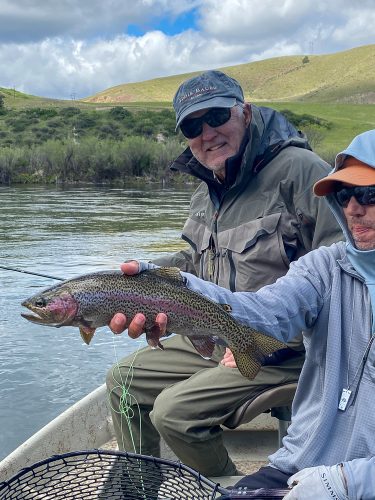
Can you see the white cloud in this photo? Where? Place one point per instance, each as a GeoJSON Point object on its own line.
{"type": "Point", "coordinates": [32, 20]}
{"type": "Point", "coordinates": [57, 48]}
{"type": "Point", "coordinates": [357, 28]}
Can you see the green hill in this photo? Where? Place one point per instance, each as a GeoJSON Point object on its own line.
{"type": "Point", "coordinates": [337, 89]}
{"type": "Point", "coordinates": [343, 77]}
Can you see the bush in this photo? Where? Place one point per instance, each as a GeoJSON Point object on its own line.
{"type": "Point", "coordinates": [41, 112]}
{"type": "Point", "coordinates": [145, 127]}
{"type": "Point", "coordinates": [301, 121]}
{"type": "Point", "coordinates": [69, 112]}
{"type": "Point", "coordinates": [109, 130]}
{"type": "Point", "coordinates": [84, 121]}
{"type": "Point", "coordinates": [2, 105]}
{"type": "Point", "coordinates": [119, 113]}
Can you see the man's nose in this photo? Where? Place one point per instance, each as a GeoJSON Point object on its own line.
{"type": "Point", "coordinates": [354, 208]}
{"type": "Point", "coordinates": [207, 132]}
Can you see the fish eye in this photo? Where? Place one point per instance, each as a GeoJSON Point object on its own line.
{"type": "Point", "coordinates": [41, 302]}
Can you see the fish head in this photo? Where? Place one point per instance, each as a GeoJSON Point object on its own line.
{"type": "Point", "coordinates": [51, 308]}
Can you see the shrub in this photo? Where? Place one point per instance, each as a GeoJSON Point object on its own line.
{"type": "Point", "coordinates": [109, 130]}
{"type": "Point", "coordinates": [69, 112]}
{"type": "Point", "coordinates": [305, 120]}
{"type": "Point", "coordinates": [84, 121]}
{"type": "Point", "coordinates": [2, 105]}
{"type": "Point", "coordinates": [119, 113]}
{"type": "Point", "coordinates": [41, 112]}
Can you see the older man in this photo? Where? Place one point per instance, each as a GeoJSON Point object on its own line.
{"type": "Point", "coordinates": [250, 217]}
{"type": "Point", "coordinates": [329, 452]}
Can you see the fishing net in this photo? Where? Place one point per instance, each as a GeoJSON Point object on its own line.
{"type": "Point", "coordinates": [115, 475]}
{"type": "Point", "coordinates": [97, 474]}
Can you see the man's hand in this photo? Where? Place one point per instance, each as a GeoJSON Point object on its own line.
{"type": "Point", "coordinates": [318, 482]}
{"type": "Point", "coordinates": [119, 322]}
{"type": "Point", "coordinates": [228, 359]}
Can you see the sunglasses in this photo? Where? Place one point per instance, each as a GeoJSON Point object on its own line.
{"type": "Point", "coordinates": [192, 127]}
{"type": "Point", "coordinates": [365, 195]}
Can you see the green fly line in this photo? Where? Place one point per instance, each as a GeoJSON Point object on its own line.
{"type": "Point", "coordinates": [127, 402]}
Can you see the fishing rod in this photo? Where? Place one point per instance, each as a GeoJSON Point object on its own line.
{"type": "Point", "coordinates": [30, 272]}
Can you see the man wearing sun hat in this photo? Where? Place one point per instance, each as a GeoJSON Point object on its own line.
{"type": "Point", "coordinates": [252, 215]}
{"type": "Point", "coordinates": [329, 294]}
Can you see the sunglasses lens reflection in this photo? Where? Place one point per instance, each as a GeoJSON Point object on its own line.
{"type": "Point", "coordinates": [365, 195]}
{"type": "Point", "coordinates": [215, 117]}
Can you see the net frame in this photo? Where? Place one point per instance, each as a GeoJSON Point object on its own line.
{"type": "Point", "coordinates": [108, 474]}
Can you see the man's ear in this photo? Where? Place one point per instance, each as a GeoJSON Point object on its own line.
{"type": "Point", "coordinates": [247, 113]}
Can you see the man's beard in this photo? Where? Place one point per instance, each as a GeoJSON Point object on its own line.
{"type": "Point", "coordinates": [365, 223]}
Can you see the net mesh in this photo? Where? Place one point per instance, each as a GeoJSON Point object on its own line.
{"type": "Point", "coordinates": [99, 474]}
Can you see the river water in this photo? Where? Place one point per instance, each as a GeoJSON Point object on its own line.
{"type": "Point", "coordinates": [64, 233]}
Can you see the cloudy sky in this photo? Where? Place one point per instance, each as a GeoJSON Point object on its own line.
{"type": "Point", "coordinates": [74, 48]}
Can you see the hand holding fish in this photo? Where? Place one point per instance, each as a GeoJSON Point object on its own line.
{"type": "Point", "coordinates": [137, 325]}
{"type": "Point", "coordinates": [228, 359]}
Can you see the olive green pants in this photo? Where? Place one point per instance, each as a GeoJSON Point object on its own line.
{"type": "Point", "coordinates": [177, 394]}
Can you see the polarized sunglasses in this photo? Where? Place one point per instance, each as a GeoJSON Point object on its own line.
{"type": "Point", "coordinates": [192, 127]}
{"type": "Point", "coordinates": [365, 195]}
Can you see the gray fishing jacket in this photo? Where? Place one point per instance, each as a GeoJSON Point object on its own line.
{"type": "Point", "coordinates": [242, 234]}
{"type": "Point", "coordinates": [326, 298]}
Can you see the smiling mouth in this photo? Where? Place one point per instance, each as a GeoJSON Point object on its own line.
{"type": "Point", "coordinates": [216, 147]}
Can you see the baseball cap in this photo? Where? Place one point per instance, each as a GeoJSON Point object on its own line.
{"type": "Point", "coordinates": [352, 171]}
{"type": "Point", "coordinates": [211, 89]}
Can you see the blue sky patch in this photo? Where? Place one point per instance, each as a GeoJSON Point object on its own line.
{"type": "Point", "coordinates": [168, 25]}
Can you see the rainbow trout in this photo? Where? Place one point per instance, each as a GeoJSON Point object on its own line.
{"type": "Point", "coordinates": [90, 301]}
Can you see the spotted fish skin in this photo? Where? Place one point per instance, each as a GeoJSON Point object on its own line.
{"type": "Point", "coordinates": [90, 301]}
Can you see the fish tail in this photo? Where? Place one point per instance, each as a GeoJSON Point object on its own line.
{"type": "Point", "coordinates": [255, 347]}
{"type": "Point", "coordinates": [266, 344]}
{"type": "Point", "coordinates": [248, 364]}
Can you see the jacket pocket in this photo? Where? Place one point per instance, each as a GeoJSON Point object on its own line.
{"type": "Point", "coordinates": [253, 254]}
{"type": "Point", "coordinates": [199, 237]}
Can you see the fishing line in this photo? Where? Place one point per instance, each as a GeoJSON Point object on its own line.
{"type": "Point", "coordinates": [30, 272]}
{"type": "Point", "coordinates": [127, 400]}
{"type": "Point", "coordinates": [126, 403]}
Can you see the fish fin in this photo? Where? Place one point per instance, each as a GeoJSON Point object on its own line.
{"type": "Point", "coordinates": [157, 346]}
{"type": "Point", "coordinates": [266, 344]}
{"type": "Point", "coordinates": [248, 364]}
{"type": "Point", "coordinates": [219, 340]}
{"type": "Point", "coordinates": [172, 273]}
{"type": "Point", "coordinates": [153, 335]}
{"type": "Point", "coordinates": [87, 333]}
{"type": "Point", "coordinates": [226, 307]}
{"type": "Point", "coordinates": [203, 345]}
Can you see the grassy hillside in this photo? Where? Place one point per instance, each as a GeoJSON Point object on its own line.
{"type": "Point", "coordinates": [13, 99]}
{"type": "Point", "coordinates": [343, 77]}
{"type": "Point", "coordinates": [346, 121]}
{"type": "Point", "coordinates": [337, 88]}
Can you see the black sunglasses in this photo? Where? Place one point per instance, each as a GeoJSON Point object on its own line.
{"type": "Point", "coordinates": [365, 195]}
{"type": "Point", "coordinates": [192, 127]}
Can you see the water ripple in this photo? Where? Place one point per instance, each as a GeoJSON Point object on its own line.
{"type": "Point", "coordinates": [64, 233]}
